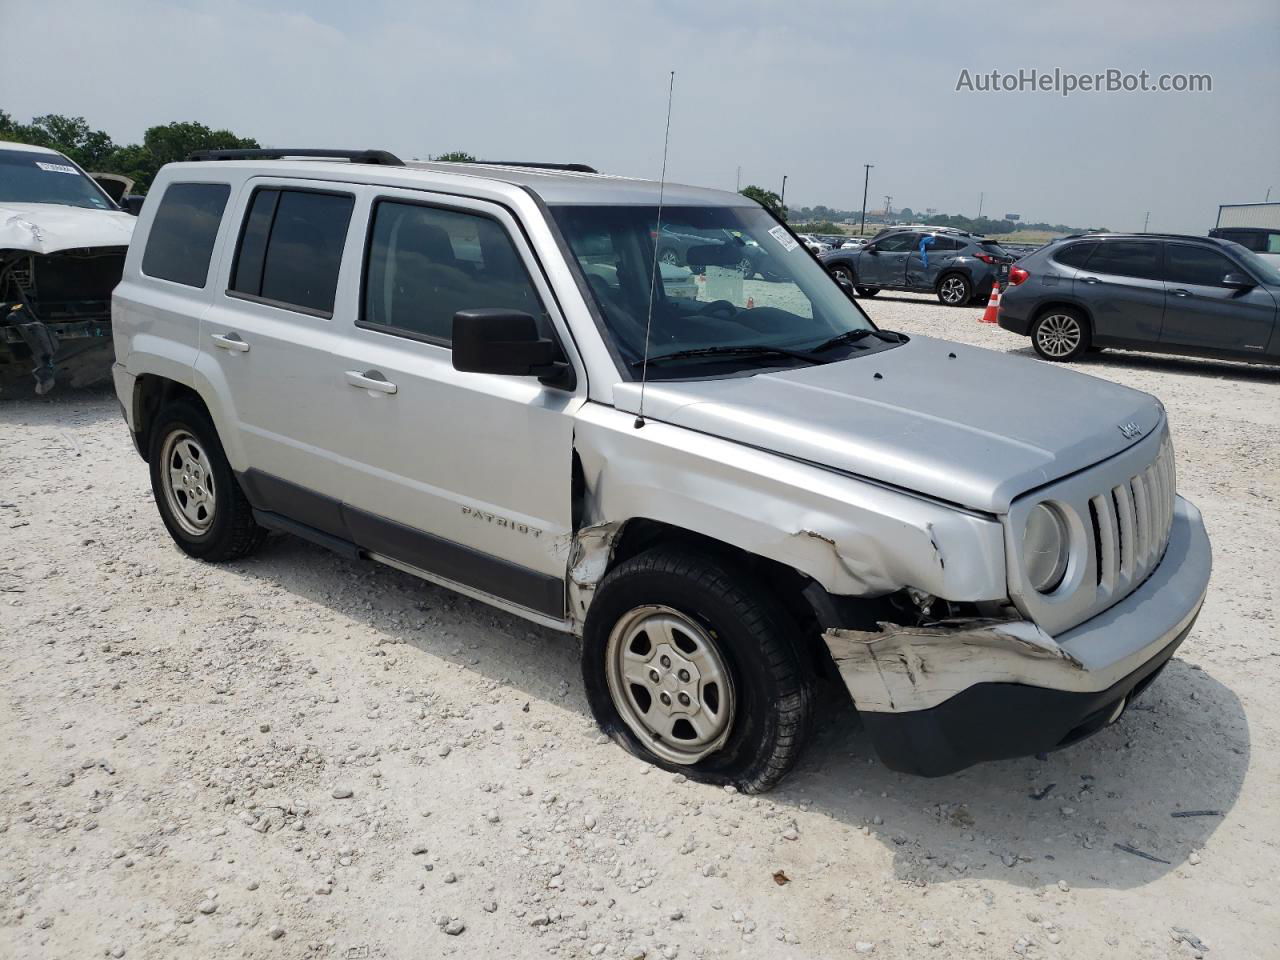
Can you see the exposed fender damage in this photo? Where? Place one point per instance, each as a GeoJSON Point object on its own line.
{"type": "Point", "coordinates": [592, 553]}
{"type": "Point", "coordinates": [902, 668]}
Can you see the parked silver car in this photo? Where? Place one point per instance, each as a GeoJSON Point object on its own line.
{"type": "Point", "coordinates": [471, 373]}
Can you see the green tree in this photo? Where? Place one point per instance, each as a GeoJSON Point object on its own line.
{"type": "Point", "coordinates": [455, 156]}
{"type": "Point", "coordinates": [70, 135]}
{"type": "Point", "coordinates": [173, 143]}
{"type": "Point", "coordinates": [766, 198]}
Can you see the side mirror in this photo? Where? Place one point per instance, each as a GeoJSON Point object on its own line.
{"type": "Point", "coordinates": [1238, 281]}
{"type": "Point", "coordinates": [868, 248]}
{"type": "Point", "coordinates": [507, 342]}
{"type": "Point", "coordinates": [132, 203]}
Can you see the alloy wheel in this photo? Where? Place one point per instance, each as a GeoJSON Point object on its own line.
{"type": "Point", "coordinates": [952, 291]}
{"type": "Point", "coordinates": [1059, 334]}
{"type": "Point", "coordinates": [670, 683]}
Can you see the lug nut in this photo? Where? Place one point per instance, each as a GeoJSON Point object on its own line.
{"type": "Point", "coordinates": [684, 676]}
{"type": "Point", "coordinates": [653, 675]}
{"type": "Point", "coordinates": [666, 700]}
{"type": "Point", "coordinates": [684, 699]}
{"type": "Point", "coordinates": [665, 660]}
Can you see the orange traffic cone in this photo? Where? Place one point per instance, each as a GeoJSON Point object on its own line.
{"type": "Point", "coordinates": [992, 312]}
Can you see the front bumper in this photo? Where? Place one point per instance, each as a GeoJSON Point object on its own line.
{"type": "Point", "coordinates": [939, 699]}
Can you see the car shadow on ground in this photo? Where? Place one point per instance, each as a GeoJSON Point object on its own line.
{"type": "Point", "coordinates": [1184, 746]}
{"type": "Point", "coordinates": [1102, 361]}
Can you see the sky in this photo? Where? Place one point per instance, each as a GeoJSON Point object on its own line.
{"type": "Point", "coordinates": [803, 89]}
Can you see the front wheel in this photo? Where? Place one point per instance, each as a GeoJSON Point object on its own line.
{"type": "Point", "coordinates": [746, 268]}
{"type": "Point", "coordinates": [867, 291]}
{"type": "Point", "coordinates": [1060, 335]}
{"type": "Point", "coordinates": [954, 290]}
{"type": "Point", "coordinates": [691, 665]}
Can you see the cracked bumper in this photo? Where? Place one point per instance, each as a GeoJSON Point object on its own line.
{"type": "Point", "coordinates": [936, 700]}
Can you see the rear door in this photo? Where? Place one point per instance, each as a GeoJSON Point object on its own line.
{"type": "Point", "coordinates": [1202, 313]}
{"type": "Point", "coordinates": [923, 268]}
{"type": "Point", "coordinates": [1122, 287]}
{"type": "Point", "coordinates": [266, 342]}
{"type": "Point", "coordinates": [885, 264]}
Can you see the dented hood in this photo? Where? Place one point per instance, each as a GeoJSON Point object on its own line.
{"type": "Point", "coordinates": [977, 429]}
{"type": "Point", "coordinates": [50, 227]}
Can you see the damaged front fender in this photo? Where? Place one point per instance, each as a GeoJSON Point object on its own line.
{"type": "Point", "coordinates": [903, 668]}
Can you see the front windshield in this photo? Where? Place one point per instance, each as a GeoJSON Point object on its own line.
{"type": "Point", "coordinates": [27, 176]}
{"type": "Point", "coordinates": [731, 280]}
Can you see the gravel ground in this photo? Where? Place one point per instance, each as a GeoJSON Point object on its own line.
{"type": "Point", "coordinates": [297, 756]}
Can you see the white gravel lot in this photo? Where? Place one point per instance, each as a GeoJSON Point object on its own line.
{"type": "Point", "coordinates": [296, 756]}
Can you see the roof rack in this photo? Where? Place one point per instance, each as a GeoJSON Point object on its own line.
{"type": "Point", "coordinates": [570, 167]}
{"type": "Point", "coordinates": [279, 153]}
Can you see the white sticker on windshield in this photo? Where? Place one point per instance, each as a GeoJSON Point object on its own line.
{"type": "Point", "coordinates": [58, 168]}
{"type": "Point", "coordinates": [780, 234]}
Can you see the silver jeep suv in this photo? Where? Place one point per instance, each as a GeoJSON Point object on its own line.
{"type": "Point", "coordinates": [726, 487]}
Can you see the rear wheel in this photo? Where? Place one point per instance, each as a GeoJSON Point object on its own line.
{"type": "Point", "coordinates": [746, 268]}
{"type": "Point", "coordinates": [1060, 334]}
{"type": "Point", "coordinates": [669, 257]}
{"type": "Point", "coordinates": [954, 290]}
{"type": "Point", "coordinates": [867, 291]}
{"type": "Point", "coordinates": [199, 499]}
{"type": "Point", "coordinates": [691, 665]}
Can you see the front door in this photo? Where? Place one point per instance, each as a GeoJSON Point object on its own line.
{"type": "Point", "coordinates": [1122, 286]}
{"type": "Point", "coordinates": [1202, 313]}
{"type": "Point", "coordinates": [466, 476]}
{"type": "Point", "coordinates": [885, 264]}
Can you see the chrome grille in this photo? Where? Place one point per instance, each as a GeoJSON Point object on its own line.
{"type": "Point", "coordinates": [1131, 525]}
{"type": "Point", "coordinates": [1119, 514]}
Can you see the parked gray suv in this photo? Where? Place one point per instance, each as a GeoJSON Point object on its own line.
{"type": "Point", "coordinates": [959, 267]}
{"type": "Point", "coordinates": [1199, 296]}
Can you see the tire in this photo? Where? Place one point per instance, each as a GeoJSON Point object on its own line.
{"type": "Point", "coordinates": [840, 270]}
{"type": "Point", "coordinates": [954, 290]}
{"type": "Point", "coordinates": [1061, 335]}
{"type": "Point", "coordinates": [746, 268]}
{"type": "Point", "coordinates": [867, 291]}
{"type": "Point", "coordinates": [669, 256]}
{"type": "Point", "coordinates": [752, 692]}
{"type": "Point", "coordinates": [196, 492]}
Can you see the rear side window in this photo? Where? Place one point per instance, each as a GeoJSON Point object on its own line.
{"type": "Point", "coordinates": [944, 243]}
{"type": "Point", "coordinates": [425, 264]}
{"type": "Point", "coordinates": [183, 232]}
{"type": "Point", "coordinates": [1195, 265]}
{"type": "Point", "coordinates": [993, 248]}
{"type": "Point", "coordinates": [898, 242]}
{"type": "Point", "coordinates": [1127, 258]}
{"type": "Point", "coordinates": [291, 248]}
{"type": "Point", "coordinates": [1075, 254]}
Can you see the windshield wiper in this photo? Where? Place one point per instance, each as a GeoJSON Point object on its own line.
{"type": "Point", "coordinates": [744, 350]}
{"type": "Point", "coordinates": [853, 336]}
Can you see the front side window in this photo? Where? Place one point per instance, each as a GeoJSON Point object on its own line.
{"type": "Point", "coordinates": [32, 176]}
{"type": "Point", "coordinates": [427, 263]}
{"type": "Point", "coordinates": [1196, 265]}
{"type": "Point", "coordinates": [898, 243]}
{"type": "Point", "coordinates": [183, 232]}
{"type": "Point", "coordinates": [291, 248]}
{"type": "Point", "coordinates": [1127, 258]}
{"type": "Point", "coordinates": [747, 297]}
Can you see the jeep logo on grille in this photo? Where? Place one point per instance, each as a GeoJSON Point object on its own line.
{"type": "Point", "coordinates": [1130, 430]}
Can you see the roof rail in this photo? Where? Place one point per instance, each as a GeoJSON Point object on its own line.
{"type": "Point", "coordinates": [279, 153]}
{"type": "Point", "coordinates": [570, 167]}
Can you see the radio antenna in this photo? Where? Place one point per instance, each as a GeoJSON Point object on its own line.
{"type": "Point", "coordinates": [653, 274]}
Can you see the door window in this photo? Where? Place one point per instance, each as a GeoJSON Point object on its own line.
{"type": "Point", "coordinates": [183, 232]}
{"type": "Point", "coordinates": [291, 248]}
{"type": "Point", "coordinates": [1196, 265]}
{"type": "Point", "coordinates": [1076, 254]}
{"type": "Point", "coordinates": [1127, 258]}
{"type": "Point", "coordinates": [898, 243]}
{"type": "Point", "coordinates": [424, 264]}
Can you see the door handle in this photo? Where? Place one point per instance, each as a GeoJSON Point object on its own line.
{"type": "Point", "coordinates": [230, 341]}
{"type": "Point", "coordinates": [1180, 292]}
{"type": "Point", "coordinates": [1089, 280]}
{"type": "Point", "coordinates": [370, 380]}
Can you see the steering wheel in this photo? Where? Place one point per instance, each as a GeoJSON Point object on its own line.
{"type": "Point", "coordinates": [719, 307]}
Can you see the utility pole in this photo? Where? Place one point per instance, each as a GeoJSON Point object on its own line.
{"type": "Point", "coordinates": [1268, 200]}
{"type": "Point", "coordinates": [737, 184]}
{"type": "Point", "coordinates": [782, 200]}
{"type": "Point", "coordinates": [1145, 221]}
{"type": "Point", "coordinates": [888, 208]}
{"type": "Point", "coordinates": [981, 197]}
{"type": "Point", "coordinates": [866, 180]}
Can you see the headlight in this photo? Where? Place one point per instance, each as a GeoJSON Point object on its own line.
{"type": "Point", "coordinates": [1045, 548]}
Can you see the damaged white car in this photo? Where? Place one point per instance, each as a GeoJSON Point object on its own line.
{"type": "Point", "coordinates": [727, 488]}
{"type": "Point", "coordinates": [62, 247]}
